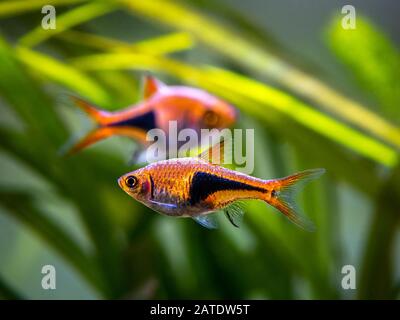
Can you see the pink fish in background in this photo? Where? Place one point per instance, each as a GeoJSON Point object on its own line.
{"type": "Point", "coordinates": [189, 107]}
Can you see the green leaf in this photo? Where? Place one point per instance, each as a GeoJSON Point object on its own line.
{"type": "Point", "coordinates": [377, 273]}
{"type": "Point", "coordinates": [13, 7]}
{"type": "Point", "coordinates": [7, 293]}
{"type": "Point", "coordinates": [64, 174]}
{"type": "Point", "coordinates": [260, 61]}
{"type": "Point", "coordinates": [20, 206]}
{"type": "Point", "coordinates": [68, 20]}
{"type": "Point", "coordinates": [251, 90]}
{"type": "Point", "coordinates": [307, 116]}
{"type": "Point", "coordinates": [373, 59]}
{"type": "Point", "coordinates": [63, 74]}
{"type": "Point", "coordinates": [162, 45]}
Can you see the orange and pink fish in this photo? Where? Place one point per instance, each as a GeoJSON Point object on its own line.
{"type": "Point", "coordinates": [196, 188]}
{"type": "Point", "coordinates": [189, 107]}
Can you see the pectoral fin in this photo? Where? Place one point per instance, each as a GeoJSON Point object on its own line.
{"type": "Point", "coordinates": [209, 221]}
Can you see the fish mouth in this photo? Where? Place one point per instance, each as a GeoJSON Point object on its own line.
{"type": "Point", "coordinates": [120, 182]}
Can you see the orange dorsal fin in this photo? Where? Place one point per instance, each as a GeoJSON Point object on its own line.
{"type": "Point", "coordinates": [151, 85]}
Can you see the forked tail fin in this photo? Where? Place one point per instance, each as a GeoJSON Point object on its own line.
{"type": "Point", "coordinates": [100, 117]}
{"type": "Point", "coordinates": [283, 194]}
{"type": "Point", "coordinates": [93, 136]}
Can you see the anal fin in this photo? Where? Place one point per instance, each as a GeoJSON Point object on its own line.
{"type": "Point", "coordinates": [234, 212]}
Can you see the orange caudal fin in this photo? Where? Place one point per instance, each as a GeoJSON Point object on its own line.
{"type": "Point", "coordinates": [93, 136]}
{"type": "Point", "coordinates": [99, 116]}
{"type": "Point", "coordinates": [283, 196]}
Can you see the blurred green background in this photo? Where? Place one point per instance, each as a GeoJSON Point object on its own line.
{"type": "Point", "coordinates": [317, 95]}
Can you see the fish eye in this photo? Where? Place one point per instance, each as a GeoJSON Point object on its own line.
{"type": "Point", "coordinates": [131, 181]}
{"type": "Point", "coordinates": [211, 118]}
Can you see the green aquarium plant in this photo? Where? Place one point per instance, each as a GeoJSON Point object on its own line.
{"type": "Point", "coordinates": [70, 212]}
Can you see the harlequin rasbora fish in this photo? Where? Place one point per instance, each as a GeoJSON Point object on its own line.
{"type": "Point", "coordinates": [195, 188]}
{"type": "Point", "coordinates": [190, 107]}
